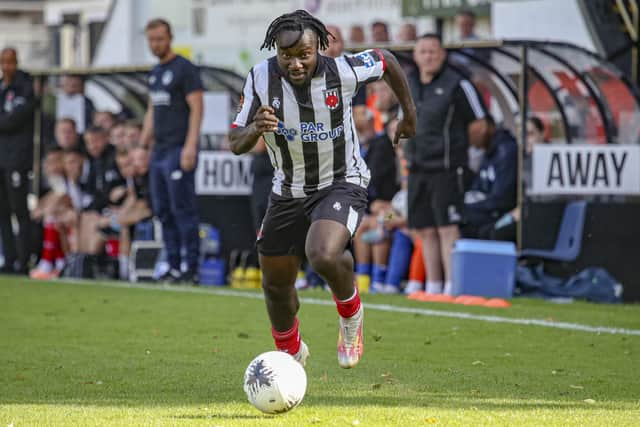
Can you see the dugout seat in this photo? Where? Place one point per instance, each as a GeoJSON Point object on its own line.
{"type": "Point", "coordinates": [569, 241]}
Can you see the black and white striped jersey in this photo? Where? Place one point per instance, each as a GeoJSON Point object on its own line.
{"type": "Point", "coordinates": [316, 142]}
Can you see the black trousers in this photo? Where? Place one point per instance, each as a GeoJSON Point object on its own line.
{"type": "Point", "coordinates": [14, 187]}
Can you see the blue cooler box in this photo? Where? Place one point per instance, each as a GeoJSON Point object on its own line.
{"type": "Point", "coordinates": [212, 272]}
{"type": "Point", "coordinates": [483, 268]}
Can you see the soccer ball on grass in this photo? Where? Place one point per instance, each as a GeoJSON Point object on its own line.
{"type": "Point", "coordinates": [275, 382]}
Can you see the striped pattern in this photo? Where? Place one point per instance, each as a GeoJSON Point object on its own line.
{"type": "Point", "coordinates": [473, 99]}
{"type": "Point", "coordinates": [316, 144]}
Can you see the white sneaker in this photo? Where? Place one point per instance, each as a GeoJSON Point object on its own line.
{"type": "Point", "coordinates": [350, 340]}
{"type": "Point", "coordinates": [302, 354]}
{"type": "Point", "coordinates": [413, 286]}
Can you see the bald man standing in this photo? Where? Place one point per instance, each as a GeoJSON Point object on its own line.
{"type": "Point", "coordinates": [16, 145]}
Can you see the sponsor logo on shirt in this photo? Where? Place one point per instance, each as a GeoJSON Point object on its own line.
{"type": "Point", "coordinates": [367, 59]}
{"type": "Point", "coordinates": [160, 97]}
{"type": "Point", "coordinates": [310, 132]}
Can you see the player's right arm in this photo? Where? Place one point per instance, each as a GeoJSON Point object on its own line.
{"type": "Point", "coordinates": [146, 136]}
{"type": "Point", "coordinates": [243, 139]}
{"type": "Point", "coordinates": [252, 120]}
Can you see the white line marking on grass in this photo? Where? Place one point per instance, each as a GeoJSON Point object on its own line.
{"type": "Point", "coordinates": [378, 307]}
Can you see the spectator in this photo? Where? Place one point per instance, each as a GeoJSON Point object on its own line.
{"type": "Point", "coordinates": [465, 24]}
{"type": "Point", "coordinates": [535, 134]}
{"type": "Point", "coordinates": [104, 119]}
{"type": "Point", "coordinates": [102, 171]}
{"type": "Point", "coordinates": [17, 103]}
{"type": "Point", "coordinates": [356, 35]}
{"type": "Point", "coordinates": [379, 155]}
{"type": "Point", "coordinates": [132, 131]}
{"type": "Point", "coordinates": [117, 135]}
{"type": "Point", "coordinates": [73, 87]}
{"type": "Point", "coordinates": [383, 104]}
{"type": "Point", "coordinates": [494, 189]}
{"type": "Point", "coordinates": [172, 121]}
{"type": "Point", "coordinates": [407, 33]}
{"type": "Point", "coordinates": [448, 106]}
{"type": "Point", "coordinates": [334, 50]}
{"type": "Point", "coordinates": [66, 135]}
{"type": "Point", "coordinates": [52, 188]}
{"type": "Point", "coordinates": [380, 32]}
{"type": "Point", "coordinates": [129, 204]}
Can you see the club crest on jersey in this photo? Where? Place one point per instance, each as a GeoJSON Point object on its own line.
{"type": "Point", "coordinates": [331, 98]}
{"type": "Point", "coordinates": [167, 77]}
{"type": "Point", "coordinates": [275, 102]}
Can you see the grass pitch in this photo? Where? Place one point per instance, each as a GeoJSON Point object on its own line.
{"type": "Point", "coordinates": [100, 354]}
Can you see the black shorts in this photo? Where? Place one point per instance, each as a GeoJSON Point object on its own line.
{"type": "Point", "coordinates": [285, 225]}
{"type": "Point", "coordinates": [435, 198]}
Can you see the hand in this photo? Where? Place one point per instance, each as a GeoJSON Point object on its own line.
{"type": "Point", "coordinates": [265, 120]}
{"type": "Point", "coordinates": [188, 158]}
{"type": "Point", "coordinates": [406, 129]}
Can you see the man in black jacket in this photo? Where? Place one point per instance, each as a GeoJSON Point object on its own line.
{"type": "Point", "coordinates": [16, 145]}
{"type": "Point", "coordinates": [448, 108]}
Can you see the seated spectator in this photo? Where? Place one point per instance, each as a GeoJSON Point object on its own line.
{"type": "Point", "coordinates": [73, 86]}
{"type": "Point", "coordinates": [493, 192]}
{"type": "Point", "coordinates": [117, 135]}
{"type": "Point", "coordinates": [129, 204]}
{"type": "Point", "coordinates": [105, 120]}
{"type": "Point", "coordinates": [356, 35]}
{"type": "Point", "coordinates": [407, 33]}
{"type": "Point", "coordinates": [102, 171]}
{"type": "Point", "coordinates": [59, 210]}
{"type": "Point", "coordinates": [380, 32]}
{"type": "Point", "coordinates": [535, 134]}
{"type": "Point", "coordinates": [132, 131]}
{"type": "Point", "coordinates": [371, 256]}
{"type": "Point", "coordinates": [66, 135]}
{"type": "Point", "coordinates": [383, 104]}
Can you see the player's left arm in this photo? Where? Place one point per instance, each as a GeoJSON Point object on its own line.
{"type": "Point", "coordinates": [396, 79]}
{"type": "Point", "coordinates": [192, 86]}
{"type": "Point", "coordinates": [190, 150]}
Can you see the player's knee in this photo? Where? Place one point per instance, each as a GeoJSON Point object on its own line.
{"type": "Point", "coordinates": [321, 258]}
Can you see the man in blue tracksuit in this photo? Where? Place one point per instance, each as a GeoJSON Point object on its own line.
{"type": "Point", "coordinates": [494, 189]}
{"type": "Point", "coordinates": [172, 126]}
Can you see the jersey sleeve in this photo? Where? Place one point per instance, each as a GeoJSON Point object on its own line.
{"type": "Point", "coordinates": [368, 66]}
{"type": "Point", "coordinates": [248, 104]}
{"type": "Point", "coordinates": [192, 81]}
{"type": "Point", "coordinates": [468, 102]}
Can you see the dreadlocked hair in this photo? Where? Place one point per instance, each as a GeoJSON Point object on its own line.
{"type": "Point", "coordinates": [296, 21]}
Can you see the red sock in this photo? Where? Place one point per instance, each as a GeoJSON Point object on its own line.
{"type": "Point", "coordinates": [50, 241]}
{"type": "Point", "coordinates": [288, 341]}
{"type": "Point", "coordinates": [349, 307]}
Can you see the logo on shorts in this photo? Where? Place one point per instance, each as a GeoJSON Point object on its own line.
{"type": "Point", "coordinates": [331, 98]}
{"type": "Point", "coordinates": [275, 102]}
{"type": "Point", "coordinates": [337, 206]}
{"type": "Point", "coordinates": [176, 174]}
{"type": "Point", "coordinates": [454, 216]}
{"type": "Point", "coordinates": [16, 179]}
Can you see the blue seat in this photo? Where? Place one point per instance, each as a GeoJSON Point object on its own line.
{"type": "Point", "coordinates": [569, 240]}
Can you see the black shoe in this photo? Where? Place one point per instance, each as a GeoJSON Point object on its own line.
{"type": "Point", "coordinates": [190, 277]}
{"type": "Point", "coordinates": [171, 277]}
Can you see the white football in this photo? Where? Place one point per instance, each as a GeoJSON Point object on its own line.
{"type": "Point", "coordinates": [275, 382]}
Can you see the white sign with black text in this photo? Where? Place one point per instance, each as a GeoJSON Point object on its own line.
{"type": "Point", "coordinates": [222, 173]}
{"type": "Point", "coordinates": [586, 169]}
